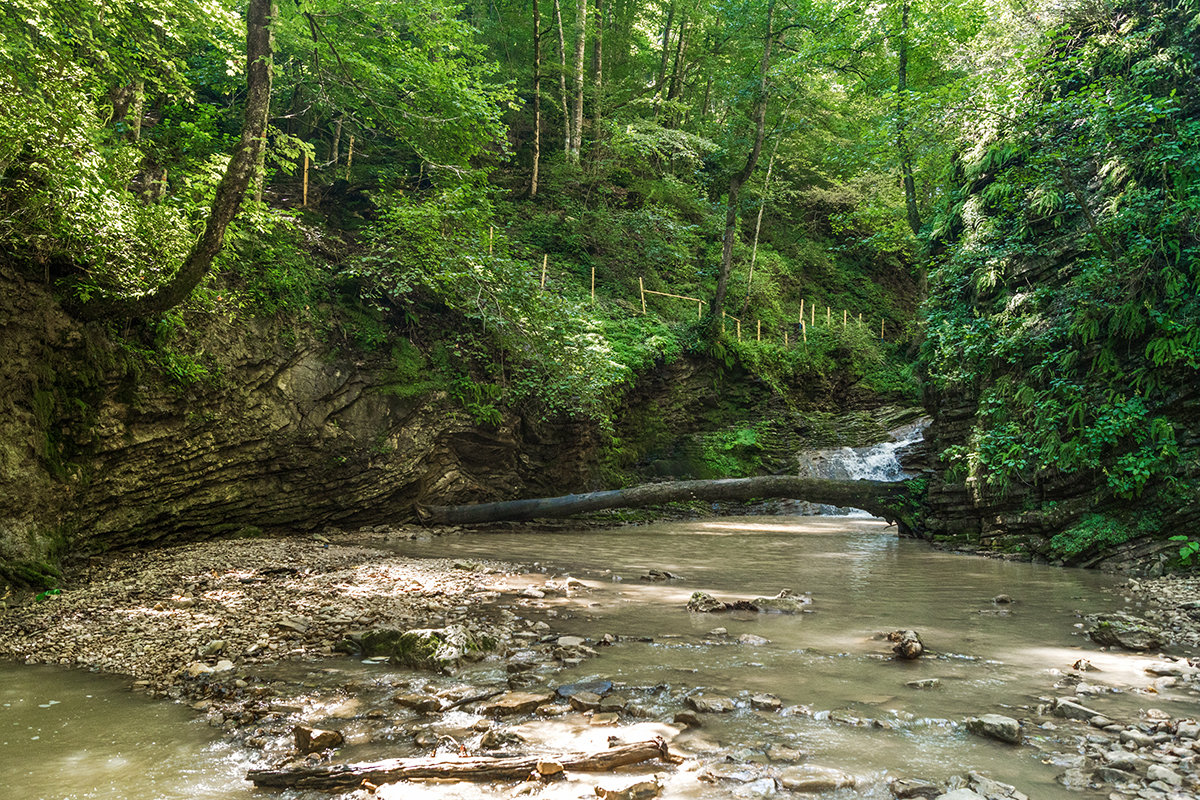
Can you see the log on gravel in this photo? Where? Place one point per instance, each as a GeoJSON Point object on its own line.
{"type": "Point", "coordinates": [471, 768]}
{"type": "Point", "coordinates": [887, 499]}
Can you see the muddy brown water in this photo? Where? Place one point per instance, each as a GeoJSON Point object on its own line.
{"type": "Point", "coordinates": [75, 735]}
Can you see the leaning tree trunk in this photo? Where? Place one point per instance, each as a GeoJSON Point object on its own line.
{"type": "Point", "coordinates": [230, 190]}
{"type": "Point", "coordinates": [902, 146]}
{"type": "Point", "coordinates": [739, 178]}
{"type": "Point", "coordinates": [345, 777]}
{"type": "Point", "coordinates": [892, 500]}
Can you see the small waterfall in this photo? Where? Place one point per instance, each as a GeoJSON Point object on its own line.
{"type": "Point", "coordinates": [877, 462]}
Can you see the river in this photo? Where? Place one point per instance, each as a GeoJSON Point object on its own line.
{"type": "Point", "coordinates": [78, 735]}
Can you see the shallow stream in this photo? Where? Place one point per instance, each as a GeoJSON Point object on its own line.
{"type": "Point", "coordinates": [75, 735]}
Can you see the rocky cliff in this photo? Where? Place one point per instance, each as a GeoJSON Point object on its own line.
{"type": "Point", "coordinates": [97, 450]}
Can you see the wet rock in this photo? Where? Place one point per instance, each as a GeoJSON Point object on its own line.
{"type": "Point", "coordinates": [605, 718]}
{"type": "Point", "coordinates": [1188, 729]}
{"type": "Point", "coordinates": [418, 702]}
{"type": "Point", "coordinates": [765, 702]}
{"type": "Point", "coordinates": [642, 790]}
{"type": "Point", "coordinates": [585, 701]}
{"type": "Point", "coordinates": [788, 755]}
{"type": "Point", "coordinates": [709, 703]}
{"type": "Point", "coordinates": [907, 788]}
{"type": "Point", "coordinates": [661, 575]}
{"type": "Point", "coordinates": [1136, 738]}
{"type": "Point", "coordinates": [570, 641]}
{"type": "Point", "coordinates": [704, 603]}
{"type": "Point", "coordinates": [1125, 760]}
{"type": "Point", "coordinates": [614, 702]}
{"type": "Point", "coordinates": [597, 687]}
{"type": "Point", "coordinates": [1126, 631]}
{"type": "Point", "coordinates": [687, 718]}
{"type": "Point", "coordinates": [814, 779]}
{"type": "Point", "coordinates": [497, 738]}
{"type": "Point", "coordinates": [532, 593]}
{"type": "Point", "coordinates": [996, 726]}
{"type": "Point", "coordinates": [753, 640]}
{"type": "Point", "coordinates": [960, 794]}
{"type": "Point", "coordinates": [924, 683]}
{"type": "Point", "coordinates": [1083, 665]}
{"type": "Point", "coordinates": [196, 669]}
{"type": "Point", "coordinates": [1068, 708]}
{"type": "Point", "coordinates": [314, 740]}
{"type": "Point", "coordinates": [786, 602]}
{"type": "Point", "coordinates": [992, 789]}
{"type": "Point", "coordinates": [512, 703]}
{"type": "Point", "coordinates": [548, 767]}
{"type": "Point", "coordinates": [908, 644]}
{"type": "Point", "coordinates": [439, 649]}
{"type": "Point", "coordinates": [1158, 772]}
{"type": "Point", "coordinates": [1002, 599]}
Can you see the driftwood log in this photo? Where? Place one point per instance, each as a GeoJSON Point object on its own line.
{"type": "Point", "coordinates": [471, 768]}
{"type": "Point", "coordinates": [882, 498]}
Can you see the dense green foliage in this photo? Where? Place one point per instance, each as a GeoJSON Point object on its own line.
{"type": "Point", "coordinates": [1067, 303]}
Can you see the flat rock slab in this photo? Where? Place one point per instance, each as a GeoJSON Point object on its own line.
{"type": "Point", "coordinates": [710, 703]}
{"type": "Point", "coordinates": [512, 703]}
{"type": "Point", "coordinates": [812, 778]}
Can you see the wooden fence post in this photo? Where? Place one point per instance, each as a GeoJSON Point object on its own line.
{"type": "Point", "coordinates": [785, 336]}
{"type": "Point", "coordinates": [804, 331]}
{"type": "Point", "coordinates": [491, 232]}
{"type": "Point", "coordinates": [546, 258]}
{"type": "Point", "coordinates": [700, 310]}
{"type": "Point", "coordinates": [739, 328]}
{"type": "Point", "coordinates": [812, 313]}
{"type": "Point", "coordinates": [304, 191]}
{"type": "Point", "coordinates": [642, 288]}
{"type": "Point", "coordinates": [880, 327]}
{"type": "Point", "coordinates": [759, 330]}
{"type": "Point", "coordinates": [828, 318]}
{"type": "Point", "coordinates": [845, 315]}
{"type": "Point", "coordinates": [349, 156]}
{"type": "Point", "coordinates": [802, 309]}
{"type": "Point", "coordinates": [593, 284]}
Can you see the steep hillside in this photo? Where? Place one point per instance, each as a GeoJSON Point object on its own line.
{"type": "Point", "coordinates": [1063, 339]}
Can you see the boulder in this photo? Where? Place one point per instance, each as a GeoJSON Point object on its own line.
{"type": "Point", "coordinates": [765, 702]}
{"type": "Point", "coordinates": [710, 703]}
{"type": "Point", "coordinates": [1068, 708]}
{"type": "Point", "coordinates": [314, 740]}
{"type": "Point", "coordinates": [512, 703]}
{"type": "Point", "coordinates": [585, 701]}
{"type": "Point", "coordinates": [1125, 631]}
{"type": "Point", "coordinates": [704, 603]}
{"type": "Point", "coordinates": [642, 790]}
{"type": "Point", "coordinates": [418, 702]}
{"type": "Point", "coordinates": [908, 644]}
{"type": "Point", "coordinates": [814, 779]}
{"type": "Point", "coordinates": [996, 726]}
{"type": "Point", "coordinates": [1158, 772]}
{"type": "Point", "coordinates": [598, 687]}
{"type": "Point", "coordinates": [786, 602]}
{"type": "Point", "coordinates": [753, 640]}
{"type": "Point", "coordinates": [908, 788]}
{"type": "Point", "coordinates": [438, 649]}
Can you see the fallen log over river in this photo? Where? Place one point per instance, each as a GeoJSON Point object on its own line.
{"type": "Point", "coordinates": [470, 768]}
{"type": "Point", "coordinates": [887, 499]}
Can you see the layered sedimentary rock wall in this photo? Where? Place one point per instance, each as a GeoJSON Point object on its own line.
{"type": "Point", "coordinates": [98, 451]}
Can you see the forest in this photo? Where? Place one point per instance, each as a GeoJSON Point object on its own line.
{"type": "Point", "coordinates": [625, 398]}
{"type": "Point", "coordinates": [534, 208]}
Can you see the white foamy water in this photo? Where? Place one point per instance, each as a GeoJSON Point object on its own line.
{"type": "Point", "coordinates": [876, 462]}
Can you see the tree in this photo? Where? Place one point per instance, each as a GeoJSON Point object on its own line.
{"type": "Point", "coordinates": [537, 99]}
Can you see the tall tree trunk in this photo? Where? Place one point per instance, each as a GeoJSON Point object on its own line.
{"type": "Point", "coordinates": [758, 222]}
{"type": "Point", "coordinates": [661, 81]}
{"type": "Point", "coordinates": [598, 71]}
{"type": "Point", "coordinates": [739, 178]}
{"type": "Point", "coordinates": [537, 98]}
{"type": "Point", "coordinates": [577, 112]}
{"type": "Point", "coordinates": [337, 142]}
{"type": "Point", "coordinates": [562, 78]}
{"type": "Point", "coordinates": [230, 191]}
{"type": "Point", "coordinates": [906, 169]}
